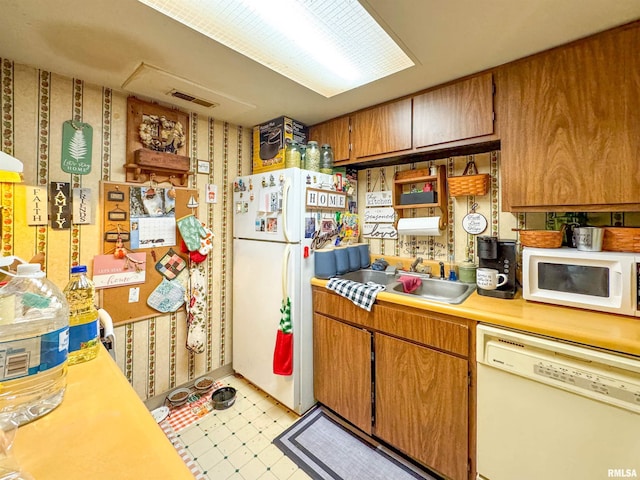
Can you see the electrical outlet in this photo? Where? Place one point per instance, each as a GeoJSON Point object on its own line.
{"type": "Point", "coordinates": [134, 294]}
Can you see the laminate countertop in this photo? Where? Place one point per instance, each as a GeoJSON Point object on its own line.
{"type": "Point", "coordinates": [101, 430]}
{"type": "Point", "coordinates": [612, 332]}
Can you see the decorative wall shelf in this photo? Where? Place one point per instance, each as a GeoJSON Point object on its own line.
{"type": "Point", "coordinates": [422, 176]}
{"type": "Point", "coordinates": [159, 124]}
{"type": "Point", "coordinates": [162, 166]}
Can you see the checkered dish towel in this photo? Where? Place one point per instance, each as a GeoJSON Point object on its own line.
{"type": "Point", "coordinates": [363, 295]}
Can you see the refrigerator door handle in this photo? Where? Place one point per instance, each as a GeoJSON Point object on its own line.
{"type": "Point", "coordinates": [285, 271]}
{"type": "Point", "coordinates": [285, 203]}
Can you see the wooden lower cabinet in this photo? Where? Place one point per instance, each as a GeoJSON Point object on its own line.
{"type": "Point", "coordinates": [421, 404]}
{"type": "Point", "coordinates": [402, 375]}
{"type": "Point", "coordinates": [342, 369]}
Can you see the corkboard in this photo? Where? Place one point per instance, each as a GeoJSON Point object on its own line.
{"type": "Point", "coordinates": [115, 300]}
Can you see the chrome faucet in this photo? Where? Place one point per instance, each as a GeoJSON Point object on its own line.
{"type": "Point", "coordinates": [414, 265]}
{"type": "Point", "coordinates": [441, 270]}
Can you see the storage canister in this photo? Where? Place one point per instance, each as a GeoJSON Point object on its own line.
{"type": "Point", "coordinates": [292, 156]}
{"type": "Point", "coordinates": [354, 257]}
{"type": "Point", "coordinates": [467, 272]}
{"type": "Point", "coordinates": [342, 260]}
{"type": "Point", "coordinates": [326, 159]}
{"type": "Point", "coordinates": [324, 261]}
{"type": "Point", "coordinates": [363, 249]}
{"type": "Point", "coordinates": [312, 157]}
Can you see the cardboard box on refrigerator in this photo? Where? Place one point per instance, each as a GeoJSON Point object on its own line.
{"type": "Point", "coordinates": [270, 139]}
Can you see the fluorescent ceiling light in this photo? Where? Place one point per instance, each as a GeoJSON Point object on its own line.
{"type": "Point", "coordinates": [329, 46]}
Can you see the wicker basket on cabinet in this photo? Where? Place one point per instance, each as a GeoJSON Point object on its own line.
{"type": "Point", "coordinates": [541, 238]}
{"type": "Point", "coordinates": [469, 183]}
{"type": "Point", "coordinates": [621, 239]}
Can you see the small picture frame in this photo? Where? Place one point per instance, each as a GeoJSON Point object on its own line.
{"type": "Point", "coordinates": [115, 196]}
{"type": "Point", "coordinates": [204, 167]}
{"type": "Point", "coordinates": [117, 215]}
{"type": "Point", "coordinates": [113, 237]}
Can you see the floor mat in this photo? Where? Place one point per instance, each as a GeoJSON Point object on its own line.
{"type": "Point", "coordinates": [197, 406]}
{"type": "Point", "coordinates": [325, 449]}
{"type": "Point", "coordinates": [177, 444]}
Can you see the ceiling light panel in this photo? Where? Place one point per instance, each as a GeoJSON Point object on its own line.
{"type": "Point", "coordinates": [329, 46]}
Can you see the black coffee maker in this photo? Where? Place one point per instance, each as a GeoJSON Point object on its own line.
{"type": "Point", "coordinates": [499, 255]}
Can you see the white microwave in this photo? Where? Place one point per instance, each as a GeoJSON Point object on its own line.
{"type": "Point", "coordinates": [603, 281]}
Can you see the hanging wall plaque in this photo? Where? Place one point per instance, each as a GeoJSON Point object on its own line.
{"type": "Point", "coordinates": [60, 205]}
{"type": "Point", "coordinates": [76, 147]}
{"type": "Point", "coordinates": [474, 223]}
{"type": "Point", "coordinates": [82, 206]}
{"type": "Point", "coordinates": [37, 206]}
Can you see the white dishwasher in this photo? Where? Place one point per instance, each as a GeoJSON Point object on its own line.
{"type": "Point", "coordinates": [550, 410]}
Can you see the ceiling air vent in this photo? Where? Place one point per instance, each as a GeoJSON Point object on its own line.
{"type": "Point", "coordinates": [192, 99]}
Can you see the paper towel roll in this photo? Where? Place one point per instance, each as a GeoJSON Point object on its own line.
{"type": "Point", "coordinates": [419, 226]}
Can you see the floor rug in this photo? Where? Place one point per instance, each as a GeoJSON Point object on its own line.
{"type": "Point", "coordinates": [197, 406]}
{"type": "Point", "coordinates": [186, 457]}
{"type": "Point", "coordinates": [325, 449]}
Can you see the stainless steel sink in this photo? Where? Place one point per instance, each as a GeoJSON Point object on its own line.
{"type": "Point", "coordinates": [432, 289]}
{"type": "Point", "coordinates": [438, 290]}
{"type": "Point", "coordinates": [367, 275]}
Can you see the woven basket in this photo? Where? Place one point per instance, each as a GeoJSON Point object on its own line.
{"type": "Point", "coordinates": [541, 238]}
{"type": "Point", "coordinates": [469, 185]}
{"type": "Point", "coordinates": [620, 239]}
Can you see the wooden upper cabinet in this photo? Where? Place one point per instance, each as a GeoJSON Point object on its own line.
{"type": "Point", "coordinates": [336, 133]}
{"type": "Point", "coordinates": [570, 127]}
{"type": "Point", "coordinates": [381, 130]}
{"type": "Point", "coordinates": [455, 112]}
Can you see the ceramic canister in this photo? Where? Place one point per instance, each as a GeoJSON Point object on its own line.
{"type": "Point", "coordinates": [467, 272]}
{"type": "Point", "coordinates": [354, 257]}
{"type": "Point", "coordinates": [363, 249]}
{"type": "Point", "coordinates": [325, 263]}
{"type": "Point", "coordinates": [342, 260]}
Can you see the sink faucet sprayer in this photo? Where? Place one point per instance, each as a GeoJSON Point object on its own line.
{"type": "Point", "coordinates": [441, 270]}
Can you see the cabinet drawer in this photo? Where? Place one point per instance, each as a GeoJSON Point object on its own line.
{"type": "Point", "coordinates": [335, 306]}
{"type": "Point", "coordinates": [426, 328]}
{"type": "Point", "coordinates": [423, 328]}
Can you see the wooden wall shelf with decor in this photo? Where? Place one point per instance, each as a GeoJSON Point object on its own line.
{"type": "Point", "coordinates": [421, 177]}
{"type": "Point", "coordinates": [162, 166]}
{"type": "Point", "coordinates": [162, 153]}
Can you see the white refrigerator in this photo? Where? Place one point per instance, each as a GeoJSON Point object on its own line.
{"type": "Point", "coordinates": [272, 258]}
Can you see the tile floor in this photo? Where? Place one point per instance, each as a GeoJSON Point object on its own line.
{"type": "Point", "coordinates": [236, 443]}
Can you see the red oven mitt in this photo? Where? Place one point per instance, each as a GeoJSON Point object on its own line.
{"type": "Point", "coordinates": [283, 352]}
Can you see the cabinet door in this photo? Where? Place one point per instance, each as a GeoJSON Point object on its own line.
{"type": "Point", "coordinates": [342, 369]}
{"type": "Point", "coordinates": [336, 133]}
{"type": "Point", "coordinates": [383, 129]}
{"type": "Point", "coordinates": [456, 112]}
{"type": "Point", "coordinates": [421, 404]}
{"type": "Point", "coordinates": [569, 126]}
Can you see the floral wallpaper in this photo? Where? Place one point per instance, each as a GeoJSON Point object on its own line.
{"type": "Point", "coordinates": [33, 107]}
{"type": "Point", "coordinates": [151, 353]}
{"type": "Point", "coordinates": [455, 244]}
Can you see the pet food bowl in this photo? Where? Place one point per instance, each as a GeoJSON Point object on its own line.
{"type": "Point", "coordinates": [179, 396]}
{"type": "Point", "coordinates": [204, 383]}
{"type": "Point", "coordinates": [223, 398]}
